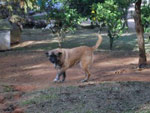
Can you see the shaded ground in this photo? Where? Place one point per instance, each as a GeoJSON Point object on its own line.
{"type": "Point", "coordinates": [26, 68]}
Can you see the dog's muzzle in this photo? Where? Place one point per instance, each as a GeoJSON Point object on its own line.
{"type": "Point", "coordinates": [53, 60]}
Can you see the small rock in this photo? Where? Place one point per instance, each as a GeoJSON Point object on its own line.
{"type": "Point", "coordinates": [2, 99]}
{"type": "Point", "coordinates": [18, 110]}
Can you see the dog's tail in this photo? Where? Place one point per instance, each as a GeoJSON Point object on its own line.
{"type": "Point", "coordinates": [98, 42]}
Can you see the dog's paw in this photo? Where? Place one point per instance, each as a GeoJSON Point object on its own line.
{"type": "Point", "coordinates": [85, 80]}
{"type": "Point", "coordinates": [61, 81]}
{"type": "Point", "coordinates": [56, 80]}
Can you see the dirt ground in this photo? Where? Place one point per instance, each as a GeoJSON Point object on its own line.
{"type": "Point", "coordinates": [25, 71]}
{"type": "Point", "coordinates": [31, 70]}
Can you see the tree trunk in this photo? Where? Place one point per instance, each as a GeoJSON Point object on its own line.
{"type": "Point", "coordinates": [126, 17]}
{"type": "Point", "coordinates": [139, 32]}
{"type": "Point", "coordinates": [59, 40]}
{"type": "Point", "coordinates": [111, 40]}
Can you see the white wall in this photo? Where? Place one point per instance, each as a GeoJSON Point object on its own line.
{"type": "Point", "coordinates": [4, 40]}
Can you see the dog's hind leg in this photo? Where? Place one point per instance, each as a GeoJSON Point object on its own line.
{"type": "Point", "coordinates": [85, 65]}
{"type": "Point", "coordinates": [87, 75]}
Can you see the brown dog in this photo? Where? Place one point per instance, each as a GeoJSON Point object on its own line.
{"type": "Point", "coordinates": [66, 58]}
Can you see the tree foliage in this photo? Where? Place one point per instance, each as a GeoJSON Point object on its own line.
{"type": "Point", "coordinates": [145, 14]}
{"type": "Point", "coordinates": [124, 5]}
{"type": "Point", "coordinates": [66, 18]}
{"type": "Point", "coordinates": [108, 13]}
{"type": "Point", "coordinates": [24, 5]}
{"type": "Point", "coordinates": [17, 7]}
{"type": "Point", "coordinates": [83, 7]}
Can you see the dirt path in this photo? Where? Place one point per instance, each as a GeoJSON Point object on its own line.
{"type": "Point", "coordinates": [31, 70]}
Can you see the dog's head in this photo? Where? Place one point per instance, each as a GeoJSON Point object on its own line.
{"type": "Point", "coordinates": [55, 56]}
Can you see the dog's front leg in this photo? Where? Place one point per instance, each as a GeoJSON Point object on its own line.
{"type": "Point", "coordinates": [63, 76]}
{"type": "Point", "coordinates": [57, 77]}
{"type": "Point", "coordinates": [59, 73]}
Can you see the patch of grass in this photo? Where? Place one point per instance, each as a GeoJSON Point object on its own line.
{"type": "Point", "coordinates": [41, 96]}
{"type": "Point", "coordinates": [7, 88]}
{"type": "Point", "coordinates": [43, 17]}
{"type": "Point", "coordinates": [38, 47]}
{"type": "Point", "coordinates": [38, 99]}
{"type": "Point", "coordinates": [141, 111]}
{"type": "Point", "coordinates": [127, 42]}
{"type": "Point", "coordinates": [89, 112]}
{"type": "Point", "coordinates": [144, 111]}
{"type": "Point", "coordinates": [116, 97]}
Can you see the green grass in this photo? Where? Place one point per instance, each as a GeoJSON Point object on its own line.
{"type": "Point", "coordinates": [41, 96]}
{"type": "Point", "coordinates": [7, 88]}
{"type": "Point", "coordinates": [115, 97]}
{"type": "Point", "coordinates": [127, 42]}
{"type": "Point", "coordinates": [43, 17]}
{"type": "Point", "coordinates": [38, 99]}
{"type": "Point", "coordinates": [139, 111]}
